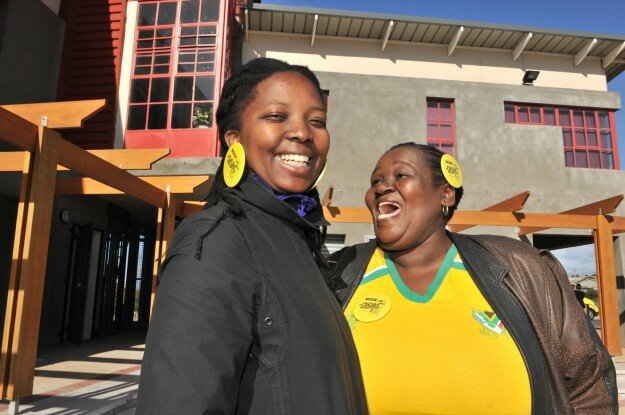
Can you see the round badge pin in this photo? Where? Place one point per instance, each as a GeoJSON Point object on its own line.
{"type": "Point", "coordinates": [234, 164]}
{"type": "Point", "coordinates": [372, 307]}
{"type": "Point", "coordinates": [451, 171]}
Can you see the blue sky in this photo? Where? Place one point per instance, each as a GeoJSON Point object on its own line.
{"type": "Point", "coordinates": [599, 16]}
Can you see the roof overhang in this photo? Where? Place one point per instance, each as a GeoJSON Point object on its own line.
{"type": "Point", "coordinates": [453, 34]}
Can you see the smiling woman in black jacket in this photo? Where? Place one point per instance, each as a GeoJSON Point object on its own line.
{"type": "Point", "coordinates": [243, 322]}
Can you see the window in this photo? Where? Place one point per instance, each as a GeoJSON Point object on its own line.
{"type": "Point", "coordinates": [588, 135]}
{"type": "Point", "coordinates": [440, 121]}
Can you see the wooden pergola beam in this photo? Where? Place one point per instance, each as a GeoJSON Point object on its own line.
{"type": "Point", "coordinates": [80, 161]}
{"type": "Point", "coordinates": [88, 186]}
{"type": "Point", "coordinates": [128, 159]}
{"type": "Point", "coordinates": [602, 207]}
{"type": "Point", "coordinates": [17, 131]}
{"type": "Point", "coordinates": [62, 114]}
{"type": "Point", "coordinates": [513, 204]}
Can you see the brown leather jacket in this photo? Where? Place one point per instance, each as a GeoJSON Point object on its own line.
{"type": "Point", "coordinates": [570, 370]}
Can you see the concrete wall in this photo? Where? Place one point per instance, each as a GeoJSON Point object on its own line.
{"type": "Point", "coordinates": [425, 61]}
{"type": "Point", "coordinates": [31, 44]}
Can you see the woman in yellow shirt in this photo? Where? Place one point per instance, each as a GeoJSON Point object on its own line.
{"type": "Point", "coordinates": [452, 324]}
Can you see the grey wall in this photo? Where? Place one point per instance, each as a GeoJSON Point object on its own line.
{"type": "Point", "coordinates": [368, 114]}
{"type": "Point", "coordinates": [31, 44]}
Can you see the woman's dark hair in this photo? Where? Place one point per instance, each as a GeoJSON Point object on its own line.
{"type": "Point", "coordinates": [238, 91]}
{"type": "Point", "coordinates": [432, 157]}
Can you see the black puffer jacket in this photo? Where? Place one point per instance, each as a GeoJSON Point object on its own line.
{"type": "Point", "coordinates": [250, 327]}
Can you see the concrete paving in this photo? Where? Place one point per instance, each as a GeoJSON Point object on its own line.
{"type": "Point", "coordinates": [101, 377]}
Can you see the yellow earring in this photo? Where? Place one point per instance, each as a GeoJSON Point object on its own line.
{"type": "Point", "coordinates": [234, 165]}
{"type": "Point", "coordinates": [323, 172]}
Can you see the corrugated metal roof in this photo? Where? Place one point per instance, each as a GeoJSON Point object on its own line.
{"type": "Point", "coordinates": [339, 23]}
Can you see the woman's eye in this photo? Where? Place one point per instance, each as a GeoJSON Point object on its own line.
{"type": "Point", "coordinates": [317, 122]}
{"type": "Point", "coordinates": [375, 182]}
{"type": "Point", "coordinates": [275, 117]}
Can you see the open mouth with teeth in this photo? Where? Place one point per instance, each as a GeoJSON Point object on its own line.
{"type": "Point", "coordinates": [295, 160]}
{"type": "Point", "coordinates": [387, 210]}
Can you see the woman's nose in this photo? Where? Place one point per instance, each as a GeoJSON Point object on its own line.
{"type": "Point", "coordinates": [384, 187]}
{"type": "Point", "coordinates": [298, 130]}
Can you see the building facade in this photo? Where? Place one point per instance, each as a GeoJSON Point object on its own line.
{"type": "Point", "coordinates": [455, 85]}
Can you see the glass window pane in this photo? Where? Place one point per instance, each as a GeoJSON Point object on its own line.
{"type": "Point", "coordinates": [204, 88]}
{"type": "Point", "coordinates": [592, 138]}
{"type": "Point", "coordinates": [568, 158]}
{"type": "Point", "coordinates": [208, 30]}
{"type": "Point", "coordinates": [206, 40]}
{"type": "Point", "coordinates": [188, 31]}
{"type": "Point", "coordinates": [509, 113]}
{"type": "Point", "coordinates": [590, 119]}
{"type": "Point", "coordinates": [535, 115]}
{"type": "Point", "coordinates": [144, 44]}
{"type": "Point", "coordinates": [143, 60]}
{"type": "Point", "coordinates": [161, 69]}
{"type": "Point", "coordinates": [164, 32]}
{"type": "Point", "coordinates": [447, 148]}
{"type": "Point", "coordinates": [186, 67]}
{"type": "Point", "coordinates": [189, 11]}
{"type": "Point", "coordinates": [567, 136]}
{"type": "Point", "coordinates": [181, 116]}
{"type": "Point", "coordinates": [186, 57]}
{"type": "Point", "coordinates": [446, 131]}
{"type": "Point", "coordinates": [136, 117]}
{"type": "Point", "coordinates": [595, 159]}
{"type": "Point", "coordinates": [146, 34]}
{"type": "Point", "coordinates": [162, 43]}
{"type": "Point", "coordinates": [432, 110]}
{"type": "Point", "coordinates": [565, 116]}
{"type": "Point", "coordinates": [183, 88]}
{"type": "Point", "coordinates": [578, 118]}
{"type": "Point", "coordinates": [160, 59]}
{"type": "Point", "coordinates": [205, 67]}
{"type": "Point", "coordinates": [187, 41]}
{"type": "Point", "coordinates": [166, 14]}
{"type": "Point", "coordinates": [445, 111]}
{"type": "Point", "coordinates": [147, 14]}
{"type": "Point", "coordinates": [550, 116]}
{"type": "Point", "coordinates": [606, 140]}
{"type": "Point", "coordinates": [142, 70]}
{"type": "Point", "coordinates": [604, 119]}
{"type": "Point", "coordinates": [202, 115]}
{"type": "Point", "coordinates": [139, 90]}
{"type": "Point", "coordinates": [158, 117]}
{"type": "Point", "coordinates": [580, 158]}
{"type": "Point", "coordinates": [160, 90]}
{"type": "Point", "coordinates": [523, 114]}
{"type": "Point", "coordinates": [209, 11]}
{"type": "Point", "coordinates": [608, 160]}
{"type": "Point", "coordinates": [580, 139]}
{"type": "Point", "coordinates": [433, 131]}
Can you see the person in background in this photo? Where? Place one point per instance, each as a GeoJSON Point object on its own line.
{"type": "Point", "coordinates": [580, 295]}
{"type": "Point", "coordinates": [243, 321]}
{"type": "Point", "coordinates": [456, 324]}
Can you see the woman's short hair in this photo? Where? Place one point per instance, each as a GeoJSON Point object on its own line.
{"type": "Point", "coordinates": [432, 157]}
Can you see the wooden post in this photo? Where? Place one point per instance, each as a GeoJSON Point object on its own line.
{"type": "Point", "coordinates": [32, 236]}
{"type": "Point", "coordinates": [606, 277]}
{"type": "Point", "coordinates": [164, 233]}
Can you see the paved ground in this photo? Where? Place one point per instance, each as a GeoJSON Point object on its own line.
{"type": "Point", "coordinates": [101, 376]}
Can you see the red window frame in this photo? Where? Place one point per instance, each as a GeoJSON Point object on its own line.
{"type": "Point", "coordinates": [588, 134]}
{"type": "Point", "coordinates": [440, 124]}
{"type": "Point", "coordinates": [191, 132]}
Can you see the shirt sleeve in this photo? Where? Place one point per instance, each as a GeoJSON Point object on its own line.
{"type": "Point", "coordinates": [201, 328]}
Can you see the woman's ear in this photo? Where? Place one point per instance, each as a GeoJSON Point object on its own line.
{"type": "Point", "coordinates": [231, 137]}
{"type": "Point", "coordinates": [449, 196]}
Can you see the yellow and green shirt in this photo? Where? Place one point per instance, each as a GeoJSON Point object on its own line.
{"type": "Point", "coordinates": [444, 352]}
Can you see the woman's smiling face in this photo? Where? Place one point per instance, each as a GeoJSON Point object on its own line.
{"type": "Point", "coordinates": [283, 131]}
{"type": "Point", "coordinates": [403, 200]}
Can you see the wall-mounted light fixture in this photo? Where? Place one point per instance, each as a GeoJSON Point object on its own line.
{"type": "Point", "coordinates": [529, 77]}
{"type": "Point", "coordinates": [65, 216]}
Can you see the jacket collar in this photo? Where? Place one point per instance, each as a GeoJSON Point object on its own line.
{"type": "Point", "coordinates": [255, 193]}
{"type": "Point", "coordinates": [482, 261]}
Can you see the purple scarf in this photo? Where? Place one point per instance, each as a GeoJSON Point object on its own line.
{"type": "Point", "coordinates": [301, 203]}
